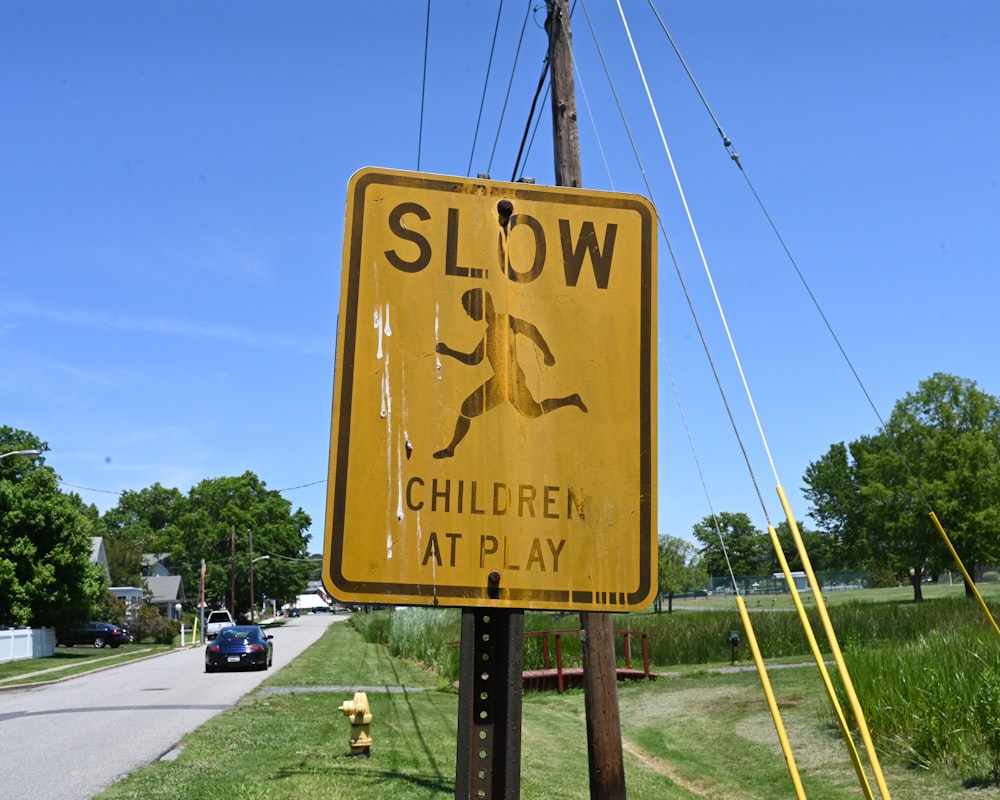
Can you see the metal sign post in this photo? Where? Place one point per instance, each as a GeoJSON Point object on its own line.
{"type": "Point", "coordinates": [494, 427]}
{"type": "Point", "coordinates": [488, 757]}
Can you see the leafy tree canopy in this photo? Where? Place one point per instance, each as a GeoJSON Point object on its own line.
{"type": "Point", "coordinates": [140, 523]}
{"type": "Point", "coordinates": [821, 549]}
{"type": "Point", "coordinates": [224, 522]}
{"type": "Point", "coordinates": [46, 574]}
{"type": "Point", "coordinates": [746, 547]}
{"type": "Point", "coordinates": [680, 569]}
{"type": "Point", "coordinates": [940, 451]}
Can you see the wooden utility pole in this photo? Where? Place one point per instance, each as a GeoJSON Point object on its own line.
{"type": "Point", "coordinates": [250, 537]}
{"type": "Point", "coordinates": [232, 570]}
{"type": "Point", "coordinates": [600, 678]}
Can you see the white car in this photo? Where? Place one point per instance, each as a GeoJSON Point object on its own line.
{"type": "Point", "coordinates": [216, 621]}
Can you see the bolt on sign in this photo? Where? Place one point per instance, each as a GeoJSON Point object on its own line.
{"type": "Point", "coordinates": [494, 413]}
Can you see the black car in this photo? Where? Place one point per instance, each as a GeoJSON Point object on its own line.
{"type": "Point", "coordinates": [240, 646]}
{"type": "Point", "coordinates": [294, 612]}
{"type": "Point", "coordinates": [97, 634]}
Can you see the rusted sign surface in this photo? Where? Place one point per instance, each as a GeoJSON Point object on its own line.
{"type": "Point", "coordinates": [494, 408]}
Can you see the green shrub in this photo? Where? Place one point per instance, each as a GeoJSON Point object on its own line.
{"type": "Point", "coordinates": [109, 608]}
{"type": "Point", "coordinates": [147, 624]}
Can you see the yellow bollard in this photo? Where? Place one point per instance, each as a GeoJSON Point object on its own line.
{"type": "Point", "coordinates": [360, 715]}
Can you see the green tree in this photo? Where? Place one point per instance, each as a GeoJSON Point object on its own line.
{"type": "Point", "coordinates": [745, 546]}
{"type": "Point", "coordinates": [946, 458]}
{"type": "Point", "coordinates": [46, 575]}
{"type": "Point", "coordinates": [680, 570]}
{"type": "Point", "coordinates": [219, 520]}
{"type": "Point", "coordinates": [139, 523]}
{"type": "Point", "coordinates": [940, 451]}
{"type": "Point", "coordinates": [820, 548]}
{"type": "Point", "coordinates": [832, 488]}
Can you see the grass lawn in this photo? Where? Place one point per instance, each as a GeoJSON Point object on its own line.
{"type": "Point", "coordinates": [895, 594]}
{"type": "Point", "coordinates": [701, 736]}
{"type": "Point", "coordinates": [69, 661]}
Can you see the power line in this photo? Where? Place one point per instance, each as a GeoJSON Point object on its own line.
{"type": "Point", "coordinates": [486, 82]}
{"type": "Point", "coordinates": [423, 87]}
{"type": "Point", "coordinates": [120, 492]}
{"type": "Point", "coordinates": [510, 83]}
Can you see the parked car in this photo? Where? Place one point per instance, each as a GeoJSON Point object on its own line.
{"type": "Point", "coordinates": [240, 646]}
{"type": "Point", "coordinates": [217, 620]}
{"type": "Point", "coordinates": [294, 612]}
{"type": "Point", "coordinates": [97, 634]}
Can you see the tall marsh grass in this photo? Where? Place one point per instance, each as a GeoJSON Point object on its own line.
{"type": "Point", "coordinates": [928, 699]}
{"type": "Point", "coordinates": [927, 675]}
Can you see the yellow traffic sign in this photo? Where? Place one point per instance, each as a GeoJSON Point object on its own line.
{"type": "Point", "coordinates": [494, 415]}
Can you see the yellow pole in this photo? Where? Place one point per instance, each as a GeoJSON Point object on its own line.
{"type": "Point", "coordinates": [968, 578]}
{"type": "Point", "coordinates": [831, 693]}
{"type": "Point", "coordinates": [765, 681]}
{"type": "Point", "coordinates": [838, 656]}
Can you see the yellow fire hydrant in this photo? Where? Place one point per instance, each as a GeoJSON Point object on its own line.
{"type": "Point", "coordinates": [360, 715]}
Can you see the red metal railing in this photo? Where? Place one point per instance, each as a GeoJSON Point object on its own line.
{"type": "Point", "coordinates": [557, 636]}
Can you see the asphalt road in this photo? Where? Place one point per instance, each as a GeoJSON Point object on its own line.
{"type": "Point", "coordinates": [73, 739]}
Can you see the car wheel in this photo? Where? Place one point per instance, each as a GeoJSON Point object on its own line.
{"type": "Point", "coordinates": [99, 642]}
{"type": "Point", "coordinates": [209, 668]}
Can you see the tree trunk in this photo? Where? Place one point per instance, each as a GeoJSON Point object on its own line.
{"type": "Point", "coordinates": [670, 603]}
{"type": "Point", "coordinates": [969, 593]}
{"type": "Point", "coordinates": [916, 576]}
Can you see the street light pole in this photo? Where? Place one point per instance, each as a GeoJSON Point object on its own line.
{"type": "Point", "coordinates": [252, 602]}
{"type": "Point", "coordinates": [250, 537]}
{"type": "Point", "coordinates": [31, 453]}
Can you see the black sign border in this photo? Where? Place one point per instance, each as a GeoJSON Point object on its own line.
{"type": "Point", "coordinates": [350, 591]}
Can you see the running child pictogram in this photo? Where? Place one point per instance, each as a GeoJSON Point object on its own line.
{"type": "Point", "coordinates": [499, 347]}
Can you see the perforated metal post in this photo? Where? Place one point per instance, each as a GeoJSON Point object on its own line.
{"type": "Point", "coordinates": [488, 763]}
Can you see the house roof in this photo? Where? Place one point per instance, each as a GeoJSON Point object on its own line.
{"type": "Point", "coordinates": [166, 588]}
{"type": "Point", "coordinates": [98, 555]}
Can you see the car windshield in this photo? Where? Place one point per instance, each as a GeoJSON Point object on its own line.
{"type": "Point", "coordinates": [239, 633]}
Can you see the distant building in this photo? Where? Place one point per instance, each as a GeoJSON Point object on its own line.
{"type": "Point", "coordinates": [131, 596]}
{"type": "Point", "coordinates": [166, 591]}
{"type": "Point", "coordinates": [312, 601]}
{"type": "Point", "coordinates": [801, 581]}
{"type": "Point", "coordinates": [99, 556]}
{"type": "Point", "coordinates": [155, 565]}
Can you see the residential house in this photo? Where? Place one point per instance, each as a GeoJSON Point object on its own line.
{"type": "Point", "coordinates": [166, 592]}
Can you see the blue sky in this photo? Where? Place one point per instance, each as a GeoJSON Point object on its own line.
{"type": "Point", "coordinates": [174, 177]}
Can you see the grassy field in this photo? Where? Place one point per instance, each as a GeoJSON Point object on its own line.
{"type": "Point", "coordinates": [897, 594]}
{"type": "Point", "coordinates": [928, 676]}
{"type": "Point", "coordinates": [706, 735]}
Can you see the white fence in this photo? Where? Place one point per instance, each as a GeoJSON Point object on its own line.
{"type": "Point", "coordinates": [21, 643]}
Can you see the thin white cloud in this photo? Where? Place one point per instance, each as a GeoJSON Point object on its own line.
{"type": "Point", "coordinates": [167, 326]}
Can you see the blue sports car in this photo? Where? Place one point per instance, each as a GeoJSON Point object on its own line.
{"type": "Point", "coordinates": [240, 646]}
